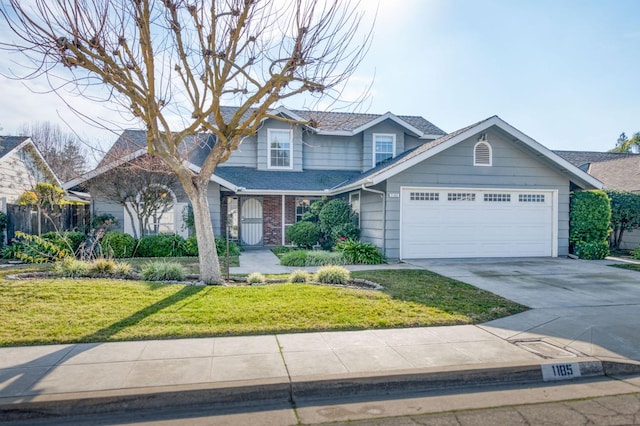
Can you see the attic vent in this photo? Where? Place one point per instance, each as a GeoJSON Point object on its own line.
{"type": "Point", "coordinates": [482, 154]}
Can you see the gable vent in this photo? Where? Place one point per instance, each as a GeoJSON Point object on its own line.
{"type": "Point", "coordinates": [482, 154]}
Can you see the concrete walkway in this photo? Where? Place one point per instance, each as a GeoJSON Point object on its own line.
{"type": "Point", "coordinates": [107, 377]}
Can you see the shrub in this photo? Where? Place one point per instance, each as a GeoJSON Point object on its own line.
{"type": "Point", "coordinates": [70, 267]}
{"type": "Point", "coordinates": [191, 246]}
{"type": "Point", "coordinates": [102, 266]}
{"type": "Point", "coordinates": [299, 276]}
{"type": "Point", "coordinates": [636, 253]}
{"type": "Point", "coordinates": [337, 220]}
{"type": "Point", "coordinates": [321, 258]}
{"type": "Point", "coordinates": [118, 244]}
{"type": "Point", "coordinates": [122, 269]}
{"type": "Point", "coordinates": [69, 240]}
{"type": "Point", "coordinates": [278, 250]}
{"type": "Point", "coordinates": [332, 275]}
{"type": "Point", "coordinates": [4, 221]}
{"type": "Point", "coordinates": [589, 216]}
{"type": "Point", "coordinates": [294, 258]}
{"type": "Point", "coordinates": [256, 278]}
{"type": "Point", "coordinates": [303, 234]}
{"type": "Point", "coordinates": [163, 245]}
{"type": "Point", "coordinates": [356, 252]}
{"type": "Point", "coordinates": [163, 271]}
{"type": "Point", "coordinates": [221, 247]}
{"type": "Point", "coordinates": [35, 249]}
{"type": "Point", "coordinates": [625, 214]}
{"type": "Point", "coordinates": [591, 250]}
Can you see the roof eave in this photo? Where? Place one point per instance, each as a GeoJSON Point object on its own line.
{"type": "Point", "coordinates": [100, 170]}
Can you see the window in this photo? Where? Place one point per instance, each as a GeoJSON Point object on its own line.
{"type": "Point", "coordinates": [424, 196]}
{"type": "Point", "coordinates": [497, 198]}
{"type": "Point", "coordinates": [531, 198]}
{"type": "Point", "coordinates": [384, 147]}
{"type": "Point", "coordinates": [461, 196]}
{"type": "Point", "coordinates": [302, 206]}
{"type": "Point", "coordinates": [280, 148]}
{"type": "Point", "coordinates": [482, 154]}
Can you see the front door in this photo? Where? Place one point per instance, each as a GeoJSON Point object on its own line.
{"type": "Point", "coordinates": [251, 222]}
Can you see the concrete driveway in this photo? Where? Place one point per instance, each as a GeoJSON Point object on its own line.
{"type": "Point", "coordinates": [578, 307]}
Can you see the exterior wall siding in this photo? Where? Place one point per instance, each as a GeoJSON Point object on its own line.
{"type": "Point", "coordinates": [371, 218]}
{"type": "Point", "coordinates": [19, 173]}
{"type": "Point", "coordinates": [332, 152]}
{"type": "Point", "coordinates": [512, 168]}
{"type": "Point", "coordinates": [386, 126]}
{"type": "Point", "coordinates": [262, 144]}
{"type": "Point", "coordinates": [246, 155]}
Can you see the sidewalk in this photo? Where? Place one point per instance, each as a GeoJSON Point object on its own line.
{"type": "Point", "coordinates": [287, 368]}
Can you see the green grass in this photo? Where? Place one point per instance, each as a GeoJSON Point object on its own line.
{"type": "Point", "coordinates": [46, 311]}
{"type": "Point", "coordinates": [632, 266]}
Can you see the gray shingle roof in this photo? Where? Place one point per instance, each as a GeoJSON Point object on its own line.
{"type": "Point", "coordinates": [621, 173]}
{"type": "Point", "coordinates": [348, 121]}
{"type": "Point", "coordinates": [7, 143]}
{"type": "Point", "coordinates": [580, 158]}
{"type": "Point", "coordinates": [307, 180]}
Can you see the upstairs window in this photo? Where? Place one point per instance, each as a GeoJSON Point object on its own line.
{"type": "Point", "coordinates": [482, 153]}
{"type": "Point", "coordinates": [280, 148]}
{"type": "Point", "coordinates": [384, 147]}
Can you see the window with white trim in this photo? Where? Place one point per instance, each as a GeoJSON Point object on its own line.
{"type": "Point", "coordinates": [424, 196]}
{"type": "Point", "coordinates": [482, 154]}
{"type": "Point", "coordinates": [461, 196]}
{"type": "Point", "coordinates": [497, 198]}
{"type": "Point", "coordinates": [384, 147]}
{"type": "Point", "coordinates": [531, 198]}
{"type": "Point", "coordinates": [280, 149]}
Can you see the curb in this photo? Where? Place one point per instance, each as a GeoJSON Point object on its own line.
{"type": "Point", "coordinates": [288, 392]}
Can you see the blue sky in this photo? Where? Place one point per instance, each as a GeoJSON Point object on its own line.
{"type": "Point", "coordinates": [563, 72]}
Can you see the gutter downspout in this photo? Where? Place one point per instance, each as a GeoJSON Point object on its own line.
{"type": "Point", "coordinates": [384, 214]}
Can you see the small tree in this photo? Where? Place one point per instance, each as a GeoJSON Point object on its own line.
{"type": "Point", "coordinates": [44, 197]}
{"type": "Point", "coordinates": [625, 215]}
{"type": "Point", "coordinates": [625, 144]}
{"type": "Point", "coordinates": [337, 221]}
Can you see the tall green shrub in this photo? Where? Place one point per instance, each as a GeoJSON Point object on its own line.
{"type": "Point", "coordinates": [625, 214]}
{"type": "Point", "coordinates": [337, 221]}
{"type": "Point", "coordinates": [161, 246]}
{"type": "Point", "coordinates": [118, 244]}
{"type": "Point", "coordinates": [589, 218]}
{"type": "Point", "coordinates": [303, 234]}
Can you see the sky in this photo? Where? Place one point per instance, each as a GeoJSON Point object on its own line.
{"type": "Point", "coordinates": [564, 72]}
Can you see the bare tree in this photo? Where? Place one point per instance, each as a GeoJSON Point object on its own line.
{"type": "Point", "coordinates": [62, 150]}
{"type": "Point", "coordinates": [172, 63]}
{"type": "Point", "coordinates": [141, 186]}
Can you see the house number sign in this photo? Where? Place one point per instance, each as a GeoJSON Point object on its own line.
{"type": "Point", "coordinates": [560, 371]}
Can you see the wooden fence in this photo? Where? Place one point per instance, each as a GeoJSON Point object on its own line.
{"type": "Point", "coordinates": [69, 217]}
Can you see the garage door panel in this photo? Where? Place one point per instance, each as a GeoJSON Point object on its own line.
{"type": "Point", "coordinates": [499, 224]}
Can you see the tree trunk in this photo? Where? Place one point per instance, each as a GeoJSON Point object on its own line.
{"type": "Point", "coordinates": [207, 255]}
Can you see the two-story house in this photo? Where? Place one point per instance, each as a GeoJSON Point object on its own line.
{"type": "Point", "coordinates": [486, 190]}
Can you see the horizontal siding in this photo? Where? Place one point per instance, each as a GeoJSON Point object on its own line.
{"type": "Point", "coordinates": [513, 167]}
{"type": "Point", "coordinates": [332, 152]}
{"type": "Point", "coordinates": [262, 144]}
{"type": "Point", "coordinates": [371, 218]}
{"type": "Point", "coordinates": [246, 155]}
{"type": "Point", "coordinates": [386, 126]}
{"type": "Point", "coordinates": [18, 173]}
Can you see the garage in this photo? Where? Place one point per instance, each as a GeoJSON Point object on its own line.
{"type": "Point", "coordinates": [463, 223]}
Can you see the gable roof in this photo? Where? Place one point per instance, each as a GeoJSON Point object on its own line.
{"type": "Point", "coordinates": [402, 162]}
{"type": "Point", "coordinates": [11, 144]}
{"type": "Point", "coordinates": [349, 123]}
{"type": "Point", "coordinates": [617, 170]}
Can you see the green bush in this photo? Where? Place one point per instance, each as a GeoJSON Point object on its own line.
{"type": "Point", "coordinates": [303, 234]}
{"type": "Point", "coordinates": [636, 253]}
{"type": "Point", "coordinates": [221, 247]}
{"type": "Point", "coordinates": [35, 249]}
{"type": "Point", "coordinates": [163, 271]}
{"type": "Point", "coordinates": [4, 222]}
{"type": "Point", "coordinates": [357, 252]}
{"type": "Point", "coordinates": [191, 246]}
{"type": "Point", "coordinates": [625, 214]}
{"type": "Point", "coordinates": [164, 245]}
{"type": "Point", "coordinates": [589, 216]}
{"type": "Point", "coordinates": [299, 276]}
{"type": "Point", "coordinates": [256, 278]}
{"type": "Point", "coordinates": [278, 250]}
{"type": "Point", "coordinates": [70, 240]}
{"type": "Point", "coordinates": [118, 244]}
{"type": "Point", "coordinates": [332, 275]}
{"type": "Point", "coordinates": [591, 250]}
{"type": "Point", "coordinates": [294, 258]}
{"type": "Point", "coordinates": [337, 221]}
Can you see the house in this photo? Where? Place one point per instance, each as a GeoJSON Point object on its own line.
{"type": "Point", "coordinates": [486, 190]}
{"type": "Point", "coordinates": [617, 171]}
{"type": "Point", "coordinates": [22, 166]}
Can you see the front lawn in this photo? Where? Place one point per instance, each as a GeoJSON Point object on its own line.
{"type": "Point", "coordinates": [632, 266]}
{"type": "Point", "coordinates": [47, 311]}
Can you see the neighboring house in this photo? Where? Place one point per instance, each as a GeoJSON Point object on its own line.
{"type": "Point", "coordinates": [486, 190]}
{"type": "Point", "coordinates": [617, 171]}
{"type": "Point", "coordinates": [21, 168]}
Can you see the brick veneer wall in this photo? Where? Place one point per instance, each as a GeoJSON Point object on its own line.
{"type": "Point", "coordinates": [272, 223]}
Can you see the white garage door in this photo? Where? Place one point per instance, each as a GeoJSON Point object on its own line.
{"type": "Point", "coordinates": [455, 222]}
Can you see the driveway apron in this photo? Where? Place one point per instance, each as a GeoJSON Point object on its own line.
{"type": "Point", "coordinates": [582, 307]}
